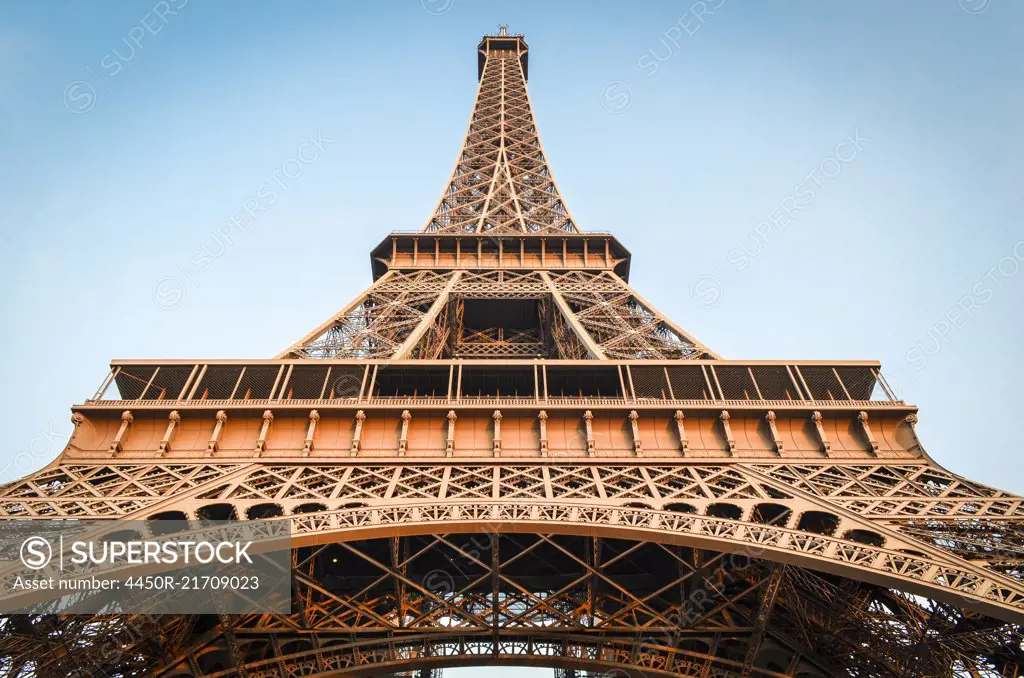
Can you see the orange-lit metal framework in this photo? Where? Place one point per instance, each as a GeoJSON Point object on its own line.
{"type": "Point", "coordinates": [500, 453]}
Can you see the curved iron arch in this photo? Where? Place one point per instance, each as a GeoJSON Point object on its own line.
{"type": "Point", "coordinates": [895, 565]}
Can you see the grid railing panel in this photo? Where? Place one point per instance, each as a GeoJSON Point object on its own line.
{"type": "Point", "coordinates": [626, 381]}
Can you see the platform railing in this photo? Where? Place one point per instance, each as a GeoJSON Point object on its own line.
{"type": "Point", "coordinates": [507, 383]}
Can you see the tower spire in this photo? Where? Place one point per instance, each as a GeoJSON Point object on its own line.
{"type": "Point", "coordinates": [502, 182]}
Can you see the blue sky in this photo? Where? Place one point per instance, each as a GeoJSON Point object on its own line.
{"type": "Point", "coordinates": [133, 134]}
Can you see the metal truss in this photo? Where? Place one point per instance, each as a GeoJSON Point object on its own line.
{"type": "Point", "coordinates": [501, 186]}
{"type": "Point", "coordinates": [567, 339]}
{"type": "Point", "coordinates": [376, 323]}
{"type": "Point", "coordinates": [644, 530]}
{"type": "Point", "coordinates": [502, 182]}
{"type": "Point", "coordinates": [493, 343]}
{"type": "Point", "coordinates": [502, 285]}
{"type": "Point", "coordinates": [619, 322]}
{"type": "Point", "coordinates": [581, 602]}
{"type": "Point", "coordinates": [884, 492]}
{"type": "Point", "coordinates": [732, 505]}
{"type": "Point", "coordinates": [420, 314]}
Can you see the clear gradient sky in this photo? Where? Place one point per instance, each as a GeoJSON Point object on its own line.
{"type": "Point", "coordinates": [712, 145]}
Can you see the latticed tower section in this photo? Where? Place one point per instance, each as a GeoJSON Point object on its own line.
{"type": "Point", "coordinates": [500, 453]}
{"type": "Point", "coordinates": [502, 183]}
{"type": "Point", "coordinates": [501, 270]}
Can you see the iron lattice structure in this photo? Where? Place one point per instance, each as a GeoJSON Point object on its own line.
{"type": "Point", "coordinates": [499, 453]}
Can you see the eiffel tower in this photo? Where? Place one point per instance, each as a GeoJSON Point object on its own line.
{"type": "Point", "coordinates": [507, 456]}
